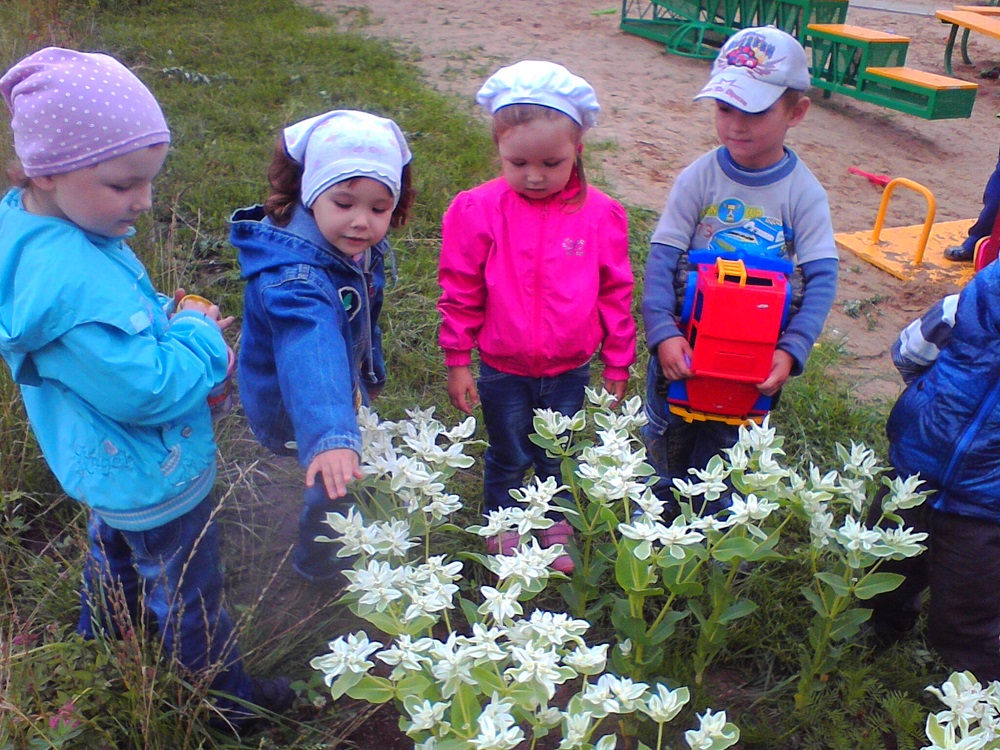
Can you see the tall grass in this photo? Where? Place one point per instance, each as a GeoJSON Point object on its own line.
{"type": "Point", "coordinates": [229, 75]}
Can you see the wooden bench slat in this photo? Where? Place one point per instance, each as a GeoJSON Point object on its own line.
{"type": "Point", "coordinates": [970, 20]}
{"type": "Point", "coordinates": [922, 78]}
{"type": "Point", "coordinates": [983, 10]}
{"type": "Point", "coordinates": [859, 33]}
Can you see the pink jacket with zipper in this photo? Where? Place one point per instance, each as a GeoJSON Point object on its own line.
{"type": "Point", "coordinates": [537, 285]}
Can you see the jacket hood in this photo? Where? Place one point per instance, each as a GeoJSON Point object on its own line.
{"type": "Point", "coordinates": [264, 245]}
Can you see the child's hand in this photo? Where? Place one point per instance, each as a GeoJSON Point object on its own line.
{"type": "Point", "coordinates": [781, 369]}
{"type": "Point", "coordinates": [462, 389]}
{"type": "Point", "coordinates": [202, 305]}
{"type": "Point", "coordinates": [337, 468]}
{"type": "Point", "coordinates": [675, 358]}
{"type": "Point", "coordinates": [617, 389]}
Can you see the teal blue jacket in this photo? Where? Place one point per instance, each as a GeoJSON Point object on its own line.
{"type": "Point", "coordinates": [114, 389]}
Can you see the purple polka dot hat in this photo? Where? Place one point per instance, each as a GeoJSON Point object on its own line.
{"type": "Point", "coordinates": [75, 109]}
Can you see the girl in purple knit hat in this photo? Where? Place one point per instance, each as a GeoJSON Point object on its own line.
{"type": "Point", "coordinates": [115, 377]}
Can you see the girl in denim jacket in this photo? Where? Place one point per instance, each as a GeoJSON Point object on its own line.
{"type": "Point", "coordinates": [534, 273]}
{"type": "Point", "coordinates": [312, 256]}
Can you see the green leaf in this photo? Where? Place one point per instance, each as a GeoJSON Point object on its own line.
{"type": "Point", "coordinates": [813, 598]}
{"type": "Point", "coordinates": [666, 627]}
{"type": "Point", "coordinates": [632, 573]}
{"type": "Point", "coordinates": [416, 684]}
{"type": "Point", "coordinates": [847, 624]}
{"type": "Point", "coordinates": [877, 583]}
{"type": "Point", "coordinates": [372, 689]}
{"type": "Point", "coordinates": [740, 609]}
{"type": "Point", "coordinates": [344, 683]}
{"type": "Point", "coordinates": [836, 583]}
{"type": "Point", "coordinates": [465, 708]}
{"type": "Point", "coordinates": [734, 547]}
{"type": "Point", "coordinates": [487, 680]}
{"type": "Point", "coordinates": [627, 626]}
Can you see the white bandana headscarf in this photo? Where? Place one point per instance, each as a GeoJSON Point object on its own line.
{"type": "Point", "coordinates": [346, 143]}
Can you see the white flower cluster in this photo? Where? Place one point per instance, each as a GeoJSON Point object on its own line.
{"type": "Point", "coordinates": [972, 719]}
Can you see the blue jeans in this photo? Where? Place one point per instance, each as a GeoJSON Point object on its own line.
{"type": "Point", "coordinates": [170, 573]}
{"type": "Point", "coordinates": [508, 403]}
{"type": "Point", "coordinates": [674, 445]}
{"type": "Point", "coordinates": [314, 560]}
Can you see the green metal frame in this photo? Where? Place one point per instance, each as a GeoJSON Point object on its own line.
{"type": "Point", "coordinates": [838, 62]}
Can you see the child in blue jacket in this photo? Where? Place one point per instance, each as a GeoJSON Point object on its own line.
{"type": "Point", "coordinates": [115, 377]}
{"type": "Point", "coordinates": [946, 427]}
{"type": "Point", "coordinates": [313, 259]}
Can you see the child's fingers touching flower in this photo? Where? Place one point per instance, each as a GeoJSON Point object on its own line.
{"type": "Point", "coordinates": [337, 468]}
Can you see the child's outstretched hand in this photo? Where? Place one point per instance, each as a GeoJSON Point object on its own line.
{"type": "Point", "coordinates": [462, 389]}
{"type": "Point", "coordinates": [675, 358]}
{"type": "Point", "coordinates": [337, 468]}
{"type": "Point", "coordinates": [781, 369]}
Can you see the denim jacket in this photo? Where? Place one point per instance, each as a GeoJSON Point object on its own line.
{"type": "Point", "coordinates": [311, 349]}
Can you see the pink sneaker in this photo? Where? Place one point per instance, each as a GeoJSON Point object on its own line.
{"type": "Point", "coordinates": [505, 544]}
{"type": "Point", "coordinates": [558, 533]}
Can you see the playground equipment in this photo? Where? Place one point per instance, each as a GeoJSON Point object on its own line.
{"type": "Point", "coordinates": [862, 63]}
{"type": "Point", "coordinates": [735, 307]}
{"type": "Point", "coordinates": [905, 252]}
{"type": "Point", "coordinates": [987, 249]}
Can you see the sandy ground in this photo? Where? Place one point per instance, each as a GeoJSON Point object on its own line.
{"type": "Point", "coordinates": [650, 128]}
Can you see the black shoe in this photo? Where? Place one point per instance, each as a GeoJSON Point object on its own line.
{"type": "Point", "coordinates": [959, 253]}
{"type": "Point", "coordinates": [274, 694]}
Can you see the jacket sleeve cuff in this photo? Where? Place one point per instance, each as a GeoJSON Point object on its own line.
{"type": "Point", "coordinates": [457, 359]}
{"type": "Point", "coordinates": [616, 373]}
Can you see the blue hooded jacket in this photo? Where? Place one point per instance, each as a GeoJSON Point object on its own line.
{"type": "Point", "coordinates": [946, 424]}
{"type": "Point", "coordinates": [311, 349]}
{"type": "Point", "coordinates": [116, 393]}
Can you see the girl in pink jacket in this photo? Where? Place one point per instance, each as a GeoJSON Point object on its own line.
{"type": "Point", "coordinates": [534, 273]}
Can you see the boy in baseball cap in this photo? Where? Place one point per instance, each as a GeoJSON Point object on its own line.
{"type": "Point", "coordinates": [754, 183]}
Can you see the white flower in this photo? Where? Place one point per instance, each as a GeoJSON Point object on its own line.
{"type": "Point", "coordinates": [483, 644]}
{"type": "Point", "coordinates": [900, 542]}
{"type": "Point", "coordinates": [965, 698]}
{"type": "Point", "coordinates": [903, 494]}
{"type": "Point", "coordinates": [346, 655]}
{"type": "Point", "coordinates": [856, 538]}
{"type": "Point", "coordinates": [442, 506]}
{"type": "Point", "coordinates": [501, 605]}
{"type": "Point", "coordinates": [405, 655]}
{"type": "Point", "coordinates": [498, 729]}
{"type": "Point", "coordinates": [554, 628]}
{"type": "Point", "coordinates": [751, 509]}
{"type": "Point", "coordinates": [665, 704]}
{"type": "Point", "coordinates": [529, 563]}
{"type": "Point", "coordinates": [607, 742]}
{"type": "Point", "coordinates": [539, 665]}
{"type": "Point", "coordinates": [451, 665]}
{"type": "Point", "coordinates": [548, 717]}
{"type": "Point", "coordinates": [576, 729]}
{"type": "Point", "coordinates": [378, 582]}
{"type": "Point", "coordinates": [861, 460]}
{"type": "Point", "coordinates": [587, 660]}
{"type": "Point", "coordinates": [426, 716]}
{"type": "Point", "coordinates": [550, 424]}
{"type": "Point", "coordinates": [462, 431]}
{"type": "Point", "coordinates": [677, 536]}
{"type": "Point", "coordinates": [712, 733]}
{"type": "Point", "coordinates": [821, 529]}
{"type": "Point", "coordinates": [613, 695]}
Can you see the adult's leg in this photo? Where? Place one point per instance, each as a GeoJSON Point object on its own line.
{"type": "Point", "coordinates": [507, 404]}
{"type": "Point", "coordinates": [964, 618]}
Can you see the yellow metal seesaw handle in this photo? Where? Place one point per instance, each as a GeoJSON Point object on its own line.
{"type": "Point", "coordinates": [928, 219]}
